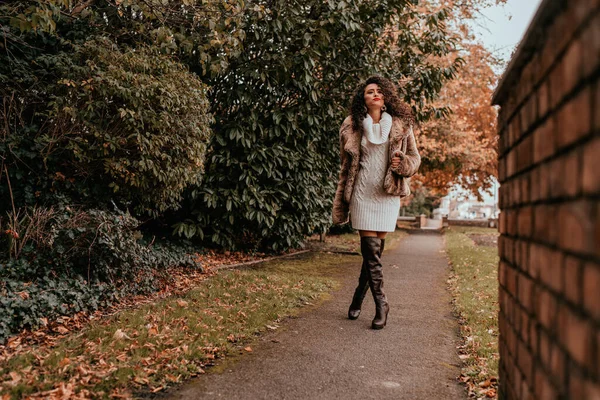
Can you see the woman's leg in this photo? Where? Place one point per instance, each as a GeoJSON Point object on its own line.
{"type": "Point", "coordinates": [363, 280]}
{"type": "Point", "coordinates": [371, 275]}
{"type": "Point", "coordinates": [371, 247]}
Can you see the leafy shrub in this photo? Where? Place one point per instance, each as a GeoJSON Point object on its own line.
{"type": "Point", "coordinates": [272, 169]}
{"type": "Point", "coordinates": [93, 123]}
{"type": "Point", "coordinates": [87, 260]}
{"type": "Point", "coordinates": [141, 120]}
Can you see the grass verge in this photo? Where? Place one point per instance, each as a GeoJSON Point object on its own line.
{"type": "Point", "coordinates": [475, 291]}
{"type": "Point", "coordinates": [156, 345]}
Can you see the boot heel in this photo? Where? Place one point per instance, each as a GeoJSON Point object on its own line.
{"type": "Point", "coordinates": [380, 319]}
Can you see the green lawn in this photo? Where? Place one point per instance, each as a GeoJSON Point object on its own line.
{"type": "Point", "coordinates": [164, 342]}
{"type": "Point", "coordinates": [160, 343]}
{"type": "Point", "coordinates": [475, 291]}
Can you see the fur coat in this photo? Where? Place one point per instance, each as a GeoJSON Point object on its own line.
{"type": "Point", "coordinates": [396, 182]}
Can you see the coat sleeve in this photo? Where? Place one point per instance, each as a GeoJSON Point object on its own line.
{"type": "Point", "coordinates": [411, 159]}
{"type": "Point", "coordinates": [340, 211]}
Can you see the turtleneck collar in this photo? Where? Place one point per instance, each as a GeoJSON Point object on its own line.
{"type": "Point", "coordinates": [386, 126]}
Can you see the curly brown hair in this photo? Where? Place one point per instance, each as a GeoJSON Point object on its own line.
{"type": "Point", "coordinates": [394, 106]}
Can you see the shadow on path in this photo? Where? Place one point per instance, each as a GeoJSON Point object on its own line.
{"type": "Point", "coordinates": [323, 355]}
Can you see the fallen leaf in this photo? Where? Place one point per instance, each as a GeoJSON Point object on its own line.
{"type": "Point", "coordinates": [61, 329]}
{"type": "Point", "coordinates": [248, 349]}
{"type": "Point", "coordinates": [16, 378]}
{"type": "Point", "coordinates": [182, 303]}
{"type": "Point", "coordinates": [120, 335]}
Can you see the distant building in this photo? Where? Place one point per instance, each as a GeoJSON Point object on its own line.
{"type": "Point", "coordinates": [459, 204]}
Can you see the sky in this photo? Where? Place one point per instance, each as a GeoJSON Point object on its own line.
{"type": "Point", "coordinates": [502, 27]}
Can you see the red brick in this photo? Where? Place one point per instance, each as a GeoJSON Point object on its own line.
{"type": "Point", "coordinates": [545, 177]}
{"type": "Point", "coordinates": [525, 392]}
{"type": "Point", "coordinates": [581, 388]}
{"type": "Point", "coordinates": [546, 309]}
{"type": "Point", "coordinates": [546, 346]}
{"type": "Point", "coordinates": [511, 281]}
{"type": "Point", "coordinates": [591, 167]}
{"type": "Point", "coordinates": [524, 361]}
{"type": "Point", "coordinates": [565, 176]}
{"type": "Point", "coordinates": [575, 335]}
{"type": "Point", "coordinates": [525, 153]}
{"type": "Point", "coordinates": [551, 272]}
{"type": "Point", "coordinates": [507, 250]}
{"type": "Point", "coordinates": [544, 141]}
{"type": "Point", "coordinates": [525, 326]}
{"type": "Point", "coordinates": [502, 267]}
{"type": "Point", "coordinates": [514, 192]}
{"type": "Point", "coordinates": [596, 371]}
{"type": "Point", "coordinates": [511, 221]}
{"type": "Point", "coordinates": [597, 230]}
{"type": "Point", "coordinates": [535, 184]}
{"type": "Point", "coordinates": [517, 385]}
{"type": "Point", "coordinates": [576, 227]}
{"type": "Point", "coordinates": [596, 106]}
{"type": "Point", "coordinates": [591, 43]}
{"type": "Point", "coordinates": [529, 110]}
{"type": "Point", "coordinates": [534, 335]}
{"type": "Point", "coordinates": [523, 260]}
{"type": "Point", "coordinates": [563, 28]}
{"type": "Point", "coordinates": [557, 365]}
{"type": "Point", "coordinates": [543, 99]}
{"type": "Point", "coordinates": [524, 222]}
{"type": "Point", "coordinates": [545, 217]}
{"type": "Point", "coordinates": [511, 343]}
{"type": "Point", "coordinates": [539, 258]}
{"type": "Point", "coordinates": [514, 130]}
{"type": "Point", "coordinates": [574, 119]}
{"type": "Point", "coordinates": [502, 169]}
{"type": "Point", "coordinates": [525, 189]}
{"type": "Point", "coordinates": [591, 289]}
{"type": "Point", "coordinates": [572, 66]}
{"type": "Point", "coordinates": [555, 83]}
{"type": "Point", "coordinates": [573, 283]}
{"type": "Point", "coordinates": [511, 163]}
{"type": "Point", "coordinates": [543, 388]}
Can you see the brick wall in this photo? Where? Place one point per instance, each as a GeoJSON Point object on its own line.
{"type": "Point", "coordinates": [549, 170]}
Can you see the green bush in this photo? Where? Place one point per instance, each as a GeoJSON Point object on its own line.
{"type": "Point", "coordinates": [68, 260]}
{"type": "Point", "coordinates": [274, 159]}
{"type": "Point", "coordinates": [126, 125]}
{"type": "Point", "coordinates": [140, 120]}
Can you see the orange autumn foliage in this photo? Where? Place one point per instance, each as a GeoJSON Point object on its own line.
{"type": "Point", "coordinates": [461, 148]}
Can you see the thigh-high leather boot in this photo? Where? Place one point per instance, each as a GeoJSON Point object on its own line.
{"type": "Point", "coordinates": [375, 269]}
{"type": "Point", "coordinates": [363, 284]}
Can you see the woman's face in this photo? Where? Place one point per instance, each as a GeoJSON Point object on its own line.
{"type": "Point", "coordinates": [373, 96]}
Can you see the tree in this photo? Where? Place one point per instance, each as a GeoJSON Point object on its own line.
{"type": "Point", "coordinates": [278, 106]}
{"type": "Point", "coordinates": [460, 148]}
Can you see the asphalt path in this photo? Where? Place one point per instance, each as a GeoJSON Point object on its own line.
{"type": "Point", "coordinates": [323, 355]}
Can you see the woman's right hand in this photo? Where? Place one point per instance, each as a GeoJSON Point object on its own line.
{"type": "Point", "coordinates": [397, 159]}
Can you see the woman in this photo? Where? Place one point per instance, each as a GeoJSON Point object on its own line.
{"type": "Point", "coordinates": [378, 156]}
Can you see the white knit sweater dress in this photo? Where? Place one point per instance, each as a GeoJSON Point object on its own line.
{"type": "Point", "coordinates": [371, 208]}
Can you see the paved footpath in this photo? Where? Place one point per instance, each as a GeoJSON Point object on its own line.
{"type": "Point", "coordinates": [323, 355]}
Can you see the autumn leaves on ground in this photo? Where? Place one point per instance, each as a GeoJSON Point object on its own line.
{"type": "Point", "coordinates": [163, 339]}
{"type": "Point", "coordinates": [153, 342]}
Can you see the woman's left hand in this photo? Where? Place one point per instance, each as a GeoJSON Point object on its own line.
{"type": "Point", "coordinates": [397, 159]}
